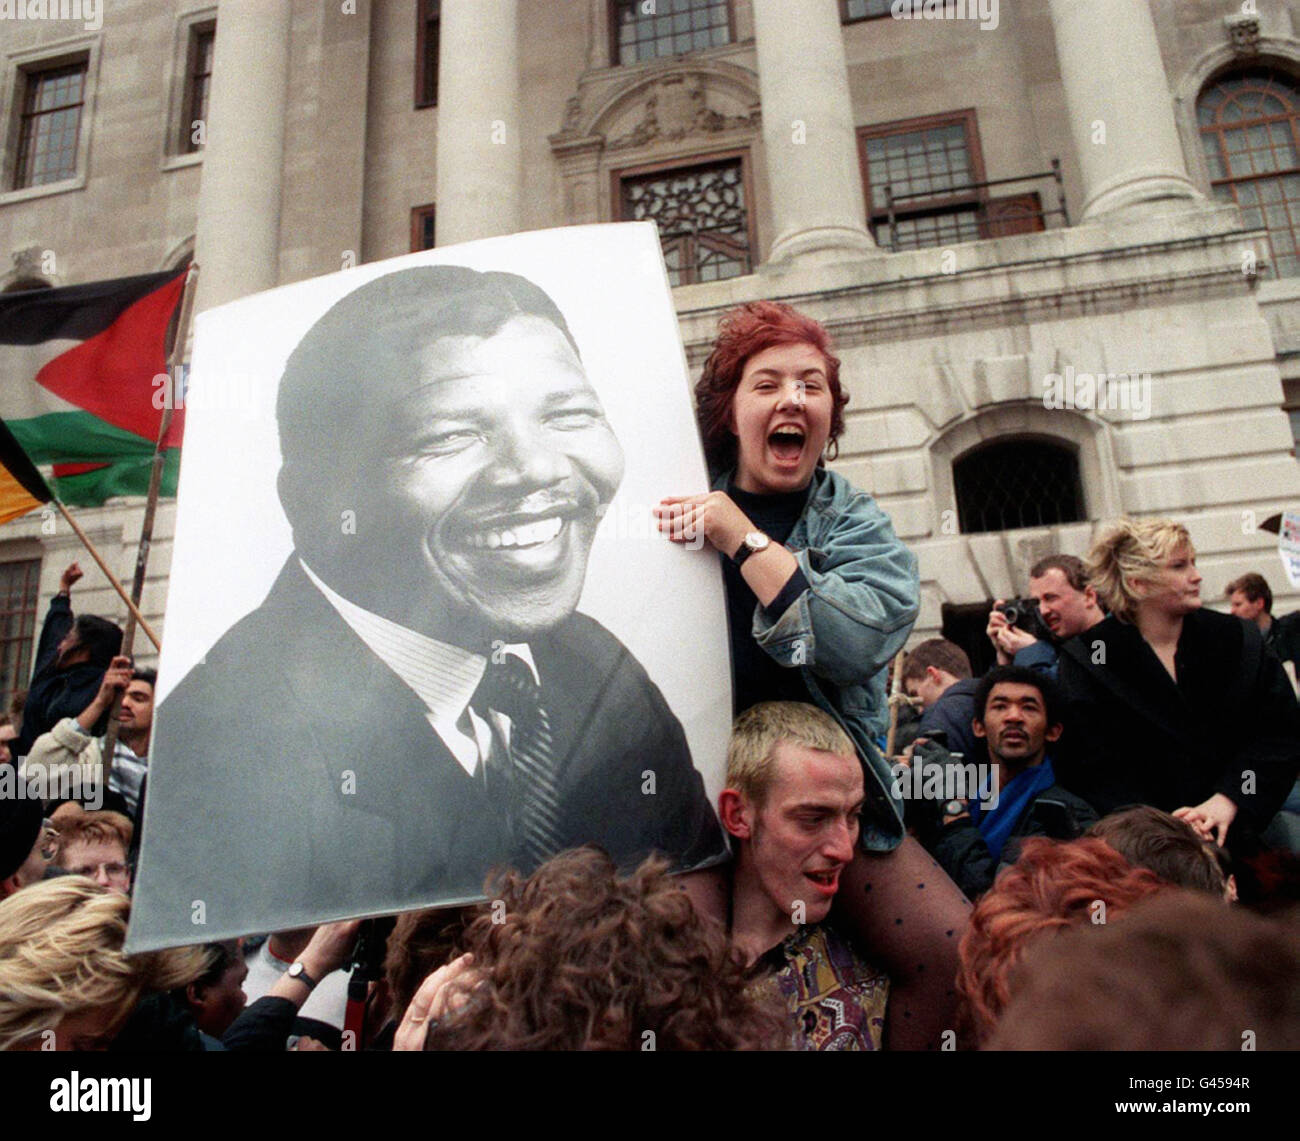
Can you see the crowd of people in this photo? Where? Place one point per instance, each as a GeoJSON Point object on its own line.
{"type": "Point", "coordinates": [1119, 788]}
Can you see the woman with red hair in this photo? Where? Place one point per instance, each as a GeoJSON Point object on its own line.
{"type": "Point", "coordinates": [1051, 887]}
{"type": "Point", "coordinates": [821, 594]}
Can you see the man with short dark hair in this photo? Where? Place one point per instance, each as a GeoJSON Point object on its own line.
{"type": "Point", "coordinates": [793, 799]}
{"type": "Point", "coordinates": [1018, 714]}
{"type": "Point", "coordinates": [423, 700]}
{"type": "Point", "coordinates": [937, 674]}
{"type": "Point", "coordinates": [71, 743]}
{"type": "Point", "coordinates": [1067, 605]}
{"type": "Point", "coordinates": [70, 661]}
{"type": "Point", "coordinates": [1250, 598]}
{"type": "Point", "coordinates": [1162, 843]}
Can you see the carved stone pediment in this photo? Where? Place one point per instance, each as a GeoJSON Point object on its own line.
{"type": "Point", "coordinates": [666, 106]}
{"type": "Point", "coordinates": [626, 116]}
{"type": "Point", "coordinates": [677, 107]}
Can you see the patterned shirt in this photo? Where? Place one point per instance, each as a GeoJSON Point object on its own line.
{"type": "Point", "coordinates": [835, 998]}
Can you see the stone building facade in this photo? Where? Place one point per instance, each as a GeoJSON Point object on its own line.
{"type": "Point", "coordinates": [1007, 213]}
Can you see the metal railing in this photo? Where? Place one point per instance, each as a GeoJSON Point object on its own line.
{"type": "Point", "coordinates": [980, 203]}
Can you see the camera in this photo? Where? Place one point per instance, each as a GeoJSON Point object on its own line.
{"type": "Point", "coordinates": [1023, 613]}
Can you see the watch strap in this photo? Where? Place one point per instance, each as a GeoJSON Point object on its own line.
{"type": "Point", "coordinates": [298, 971]}
{"type": "Point", "coordinates": [745, 550]}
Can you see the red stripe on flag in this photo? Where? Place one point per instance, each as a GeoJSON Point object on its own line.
{"type": "Point", "coordinates": [111, 374]}
{"type": "Point", "coordinates": [61, 470]}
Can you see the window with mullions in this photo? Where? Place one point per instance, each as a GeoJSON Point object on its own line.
{"type": "Point", "coordinates": [929, 166]}
{"type": "Point", "coordinates": [49, 125]}
{"type": "Point", "coordinates": [423, 228]}
{"type": "Point", "coordinates": [665, 28]}
{"type": "Point", "coordinates": [851, 10]}
{"type": "Point", "coordinates": [1249, 134]}
{"type": "Point", "coordinates": [428, 22]}
{"type": "Point", "coordinates": [1017, 483]}
{"type": "Point", "coordinates": [19, 585]}
{"type": "Point", "coordinates": [702, 216]}
{"type": "Point", "coordinates": [198, 85]}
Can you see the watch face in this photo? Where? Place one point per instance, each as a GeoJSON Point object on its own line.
{"type": "Point", "coordinates": [756, 540]}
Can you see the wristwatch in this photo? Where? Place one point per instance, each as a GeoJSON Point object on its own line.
{"type": "Point", "coordinates": [299, 972]}
{"type": "Point", "coordinates": [953, 808]}
{"type": "Point", "coordinates": [754, 542]}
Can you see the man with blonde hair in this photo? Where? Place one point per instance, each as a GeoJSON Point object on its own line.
{"type": "Point", "coordinates": [63, 976]}
{"type": "Point", "coordinates": [794, 794]}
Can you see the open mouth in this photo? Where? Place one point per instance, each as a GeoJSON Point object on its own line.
{"type": "Point", "coordinates": [787, 444]}
{"type": "Point", "coordinates": [826, 882]}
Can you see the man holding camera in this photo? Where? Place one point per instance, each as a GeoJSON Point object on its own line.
{"type": "Point", "coordinates": [1066, 605]}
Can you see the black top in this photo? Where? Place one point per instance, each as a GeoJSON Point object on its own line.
{"type": "Point", "coordinates": [1133, 735]}
{"type": "Point", "coordinates": [57, 693]}
{"type": "Point", "coordinates": [756, 675]}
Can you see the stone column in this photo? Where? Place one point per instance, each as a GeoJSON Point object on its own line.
{"type": "Point", "coordinates": [237, 242]}
{"type": "Point", "coordinates": [808, 132]}
{"type": "Point", "coordinates": [1121, 110]}
{"type": "Point", "coordinates": [479, 171]}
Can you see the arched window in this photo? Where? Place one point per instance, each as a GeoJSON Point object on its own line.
{"type": "Point", "coordinates": [1017, 483]}
{"type": "Point", "coordinates": [1248, 123]}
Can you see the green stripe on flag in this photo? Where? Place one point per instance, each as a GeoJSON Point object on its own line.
{"type": "Point", "coordinates": [79, 437]}
{"type": "Point", "coordinates": [124, 477]}
{"type": "Point", "coordinates": [76, 437]}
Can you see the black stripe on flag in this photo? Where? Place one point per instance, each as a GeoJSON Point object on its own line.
{"type": "Point", "coordinates": [17, 463]}
{"type": "Point", "coordinates": [74, 312]}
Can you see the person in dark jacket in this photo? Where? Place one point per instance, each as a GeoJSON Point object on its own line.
{"type": "Point", "coordinates": [1172, 705]}
{"type": "Point", "coordinates": [1250, 597]}
{"type": "Point", "coordinates": [938, 675]}
{"type": "Point", "coordinates": [71, 658]}
{"type": "Point", "coordinates": [1018, 715]}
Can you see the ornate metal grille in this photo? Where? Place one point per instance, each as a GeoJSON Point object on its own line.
{"type": "Point", "coordinates": [1017, 483]}
{"type": "Point", "coordinates": [1252, 148]}
{"type": "Point", "coordinates": [669, 27]}
{"type": "Point", "coordinates": [702, 218]}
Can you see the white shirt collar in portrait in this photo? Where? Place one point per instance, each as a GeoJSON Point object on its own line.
{"type": "Point", "coordinates": [443, 677]}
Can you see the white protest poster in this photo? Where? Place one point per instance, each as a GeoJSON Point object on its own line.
{"type": "Point", "coordinates": [420, 622]}
{"type": "Point", "coordinates": [1288, 546]}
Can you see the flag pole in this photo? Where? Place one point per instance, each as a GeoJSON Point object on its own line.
{"type": "Point", "coordinates": [112, 578]}
{"type": "Point", "coordinates": [150, 509]}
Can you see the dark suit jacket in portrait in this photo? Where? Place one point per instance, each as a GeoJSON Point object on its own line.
{"type": "Point", "coordinates": [299, 778]}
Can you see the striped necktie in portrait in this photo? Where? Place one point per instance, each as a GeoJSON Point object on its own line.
{"type": "Point", "coordinates": [534, 802]}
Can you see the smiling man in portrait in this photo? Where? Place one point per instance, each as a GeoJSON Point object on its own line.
{"type": "Point", "coordinates": [418, 699]}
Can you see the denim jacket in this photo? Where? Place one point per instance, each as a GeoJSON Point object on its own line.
{"type": "Point", "coordinates": [862, 599]}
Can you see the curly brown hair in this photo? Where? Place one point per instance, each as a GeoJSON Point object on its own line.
{"type": "Point", "coordinates": [577, 957]}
